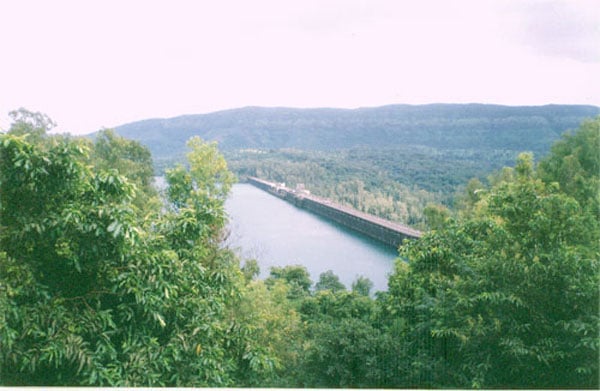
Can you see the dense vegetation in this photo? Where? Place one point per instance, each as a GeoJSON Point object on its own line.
{"type": "Point", "coordinates": [441, 126]}
{"type": "Point", "coordinates": [394, 183]}
{"type": "Point", "coordinates": [390, 161]}
{"type": "Point", "coordinates": [104, 283]}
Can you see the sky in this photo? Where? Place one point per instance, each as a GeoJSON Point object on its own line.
{"type": "Point", "coordinates": [99, 64]}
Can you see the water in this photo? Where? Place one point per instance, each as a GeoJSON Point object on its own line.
{"type": "Point", "coordinates": [277, 233]}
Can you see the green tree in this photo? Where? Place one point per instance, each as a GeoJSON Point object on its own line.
{"type": "Point", "coordinates": [130, 159]}
{"type": "Point", "coordinates": [35, 124]}
{"type": "Point", "coordinates": [57, 216]}
{"type": "Point", "coordinates": [270, 333]}
{"type": "Point", "coordinates": [208, 176]}
{"type": "Point", "coordinates": [91, 293]}
{"type": "Point", "coordinates": [329, 281]}
{"type": "Point", "coordinates": [197, 195]}
{"type": "Point", "coordinates": [343, 353]}
{"type": "Point", "coordinates": [251, 269]}
{"type": "Point", "coordinates": [296, 276]}
{"type": "Point", "coordinates": [63, 232]}
{"type": "Point", "coordinates": [436, 215]}
{"type": "Point", "coordinates": [362, 286]}
{"type": "Point", "coordinates": [343, 343]}
{"type": "Point", "coordinates": [507, 298]}
{"type": "Point", "coordinates": [468, 197]}
{"type": "Point", "coordinates": [575, 164]}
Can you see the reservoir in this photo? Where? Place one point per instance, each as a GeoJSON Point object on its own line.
{"type": "Point", "coordinates": [276, 233]}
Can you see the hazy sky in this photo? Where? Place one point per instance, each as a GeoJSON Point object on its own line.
{"type": "Point", "coordinates": [94, 64]}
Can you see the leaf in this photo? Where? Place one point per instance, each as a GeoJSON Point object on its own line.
{"type": "Point", "coordinates": [160, 319]}
{"type": "Point", "coordinates": [112, 226]}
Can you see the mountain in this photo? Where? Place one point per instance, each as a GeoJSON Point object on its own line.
{"type": "Point", "coordinates": [441, 126]}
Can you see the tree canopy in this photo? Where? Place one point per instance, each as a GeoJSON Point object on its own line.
{"type": "Point", "coordinates": [507, 297]}
{"type": "Point", "coordinates": [94, 293]}
{"type": "Point", "coordinates": [104, 282]}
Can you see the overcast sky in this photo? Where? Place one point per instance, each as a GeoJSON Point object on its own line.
{"type": "Point", "coordinates": [94, 64]}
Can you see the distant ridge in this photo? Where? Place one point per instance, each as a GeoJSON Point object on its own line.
{"type": "Point", "coordinates": [442, 126]}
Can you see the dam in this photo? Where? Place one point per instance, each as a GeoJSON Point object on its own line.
{"type": "Point", "coordinates": [385, 231]}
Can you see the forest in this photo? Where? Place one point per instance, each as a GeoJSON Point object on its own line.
{"type": "Point", "coordinates": [106, 282]}
{"type": "Point", "coordinates": [480, 127]}
{"type": "Point", "coordinates": [394, 161]}
{"type": "Point", "coordinates": [396, 183]}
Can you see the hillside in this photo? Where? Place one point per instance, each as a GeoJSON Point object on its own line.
{"type": "Point", "coordinates": [391, 161]}
{"type": "Point", "coordinates": [440, 126]}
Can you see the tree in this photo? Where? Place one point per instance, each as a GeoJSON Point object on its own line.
{"type": "Point", "coordinates": [362, 286]}
{"type": "Point", "coordinates": [506, 298]}
{"type": "Point", "coordinates": [130, 159]}
{"type": "Point", "coordinates": [575, 164]}
{"type": "Point", "coordinates": [343, 353]}
{"type": "Point", "coordinates": [436, 215]}
{"type": "Point", "coordinates": [270, 334]}
{"type": "Point", "coordinates": [208, 177]}
{"type": "Point", "coordinates": [197, 196]}
{"type": "Point", "coordinates": [35, 124]}
{"type": "Point", "coordinates": [296, 276]}
{"type": "Point", "coordinates": [329, 281]}
{"type": "Point", "coordinates": [92, 293]}
{"type": "Point", "coordinates": [251, 269]}
{"type": "Point", "coordinates": [58, 217]}
{"type": "Point", "coordinates": [466, 200]}
{"type": "Point", "coordinates": [343, 343]}
{"type": "Point", "coordinates": [63, 232]}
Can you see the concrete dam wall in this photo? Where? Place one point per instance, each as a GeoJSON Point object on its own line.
{"type": "Point", "coordinates": [374, 227]}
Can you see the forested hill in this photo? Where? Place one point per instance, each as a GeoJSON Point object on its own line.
{"type": "Point", "coordinates": [446, 126]}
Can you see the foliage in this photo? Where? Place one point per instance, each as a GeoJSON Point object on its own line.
{"type": "Point", "coordinates": [329, 281]}
{"type": "Point", "coordinates": [346, 177]}
{"type": "Point", "coordinates": [92, 293]}
{"type": "Point", "coordinates": [343, 344]}
{"type": "Point", "coordinates": [343, 353]}
{"type": "Point", "coordinates": [297, 278]}
{"type": "Point", "coordinates": [506, 298]}
{"type": "Point", "coordinates": [475, 127]}
{"type": "Point", "coordinates": [436, 215]}
{"type": "Point", "coordinates": [200, 192]}
{"type": "Point", "coordinates": [35, 124]}
{"type": "Point", "coordinates": [271, 330]}
{"type": "Point", "coordinates": [575, 165]}
{"type": "Point", "coordinates": [362, 286]}
{"type": "Point", "coordinates": [251, 270]}
{"type": "Point", "coordinates": [101, 285]}
{"type": "Point", "coordinates": [130, 159]}
{"type": "Point", "coordinates": [389, 161]}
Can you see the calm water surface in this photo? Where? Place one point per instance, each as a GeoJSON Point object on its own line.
{"type": "Point", "coordinates": [276, 233]}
